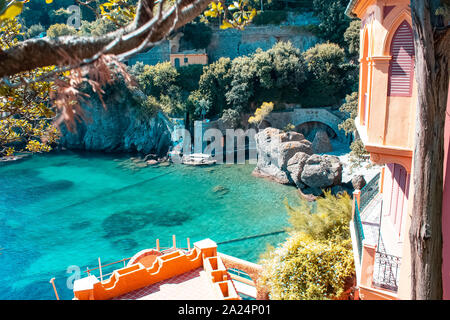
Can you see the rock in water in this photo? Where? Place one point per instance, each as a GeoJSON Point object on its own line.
{"type": "Point", "coordinates": [295, 167]}
{"type": "Point", "coordinates": [358, 182]}
{"type": "Point", "coordinates": [322, 171]}
{"type": "Point", "coordinates": [321, 142]}
{"type": "Point", "coordinates": [275, 148]}
{"type": "Point", "coordinates": [288, 158]}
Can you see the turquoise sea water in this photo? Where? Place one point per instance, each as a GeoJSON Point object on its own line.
{"type": "Point", "coordinates": [64, 209]}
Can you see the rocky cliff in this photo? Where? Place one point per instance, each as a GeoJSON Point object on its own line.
{"type": "Point", "coordinates": [123, 126]}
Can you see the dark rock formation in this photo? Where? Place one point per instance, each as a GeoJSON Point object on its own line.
{"type": "Point", "coordinates": [321, 142]}
{"type": "Point", "coordinates": [123, 126]}
{"type": "Point", "coordinates": [358, 182]}
{"type": "Point", "coordinates": [322, 171]}
{"type": "Point", "coordinates": [288, 158]}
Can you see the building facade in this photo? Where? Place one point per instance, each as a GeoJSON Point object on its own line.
{"type": "Point", "coordinates": [186, 58]}
{"type": "Point", "coordinates": [386, 126]}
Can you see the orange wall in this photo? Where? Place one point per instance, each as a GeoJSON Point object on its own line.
{"type": "Point", "coordinates": [192, 59]}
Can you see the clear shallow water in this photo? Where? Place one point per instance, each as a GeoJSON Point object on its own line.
{"type": "Point", "coordinates": [69, 208]}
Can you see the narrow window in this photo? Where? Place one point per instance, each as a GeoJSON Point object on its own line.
{"type": "Point", "coordinates": [401, 69]}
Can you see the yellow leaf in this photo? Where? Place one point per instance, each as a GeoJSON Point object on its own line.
{"type": "Point", "coordinates": [226, 25]}
{"type": "Point", "coordinates": [12, 10]}
{"type": "Point", "coordinates": [48, 1]}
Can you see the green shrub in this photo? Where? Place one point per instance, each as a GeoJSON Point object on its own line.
{"type": "Point", "coordinates": [317, 259]}
{"type": "Point", "coordinates": [34, 31]}
{"type": "Point", "coordinates": [328, 219]}
{"type": "Point", "coordinates": [350, 107]}
{"type": "Point", "coordinates": [59, 30]}
{"type": "Point", "coordinates": [306, 269]}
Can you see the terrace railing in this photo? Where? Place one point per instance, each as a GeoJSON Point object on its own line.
{"type": "Point", "coordinates": [369, 192]}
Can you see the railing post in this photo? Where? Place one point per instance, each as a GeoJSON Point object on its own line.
{"type": "Point", "coordinates": [357, 196]}
{"type": "Point", "coordinates": [381, 180]}
{"type": "Point", "coordinates": [52, 281]}
{"type": "Point", "coordinates": [367, 264]}
{"type": "Point", "coordinates": [157, 244]}
{"type": "Point", "coordinates": [189, 244]}
{"type": "Point", "coordinates": [174, 240]}
{"type": "Point", "coordinates": [88, 272]}
{"type": "Point", "coordinates": [100, 268]}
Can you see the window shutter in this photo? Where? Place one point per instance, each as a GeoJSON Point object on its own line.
{"type": "Point", "coordinates": [401, 70]}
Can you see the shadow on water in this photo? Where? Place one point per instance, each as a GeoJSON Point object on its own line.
{"type": "Point", "coordinates": [126, 222]}
{"type": "Point", "coordinates": [37, 192]}
{"type": "Point", "coordinates": [126, 244]}
{"type": "Point", "coordinates": [80, 225]}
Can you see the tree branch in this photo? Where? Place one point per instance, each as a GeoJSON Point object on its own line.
{"type": "Point", "coordinates": [35, 53]}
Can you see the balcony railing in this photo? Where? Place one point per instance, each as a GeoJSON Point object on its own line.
{"type": "Point", "coordinates": [386, 271]}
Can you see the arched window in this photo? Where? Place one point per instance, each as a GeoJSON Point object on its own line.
{"type": "Point", "coordinates": [401, 69]}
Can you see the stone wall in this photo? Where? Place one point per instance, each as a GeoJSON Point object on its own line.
{"type": "Point", "coordinates": [233, 43]}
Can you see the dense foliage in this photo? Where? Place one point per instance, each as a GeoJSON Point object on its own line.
{"type": "Point", "coordinates": [26, 119]}
{"type": "Point", "coordinates": [197, 35]}
{"type": "Point", "coordinates": [332, 19]}
{"type": "Point", "coordinates": [350, 107]}
{"type": "Point", "coordinates": [316, 260]}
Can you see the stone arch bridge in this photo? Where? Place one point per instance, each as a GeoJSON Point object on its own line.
{"type": "Point", "coordinates": [298, 116]}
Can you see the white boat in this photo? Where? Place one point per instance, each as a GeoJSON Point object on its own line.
{"type": "Point", "coordinates": [198, 159]}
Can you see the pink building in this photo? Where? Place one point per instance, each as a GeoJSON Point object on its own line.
{"type": "Point", "coordinates": [386, 125]}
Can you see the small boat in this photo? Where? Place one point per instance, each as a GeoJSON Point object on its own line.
{"type": "Point", "coordinates": [198, 159]}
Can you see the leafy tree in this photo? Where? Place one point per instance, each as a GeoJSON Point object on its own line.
{"type": "Point", "coordinates": [189, 77]}
{"type": "Point", "coordinates": [326, 73]}
{"type": "Point", "coordinates": [231, 118]}
{"type": "Point", "coordinates": [242, 86]}
{"type": "Point", "coordinates": [358, 151]}
{"type": "Point", "coordinates": [215, 82]}
{"type": "Point", "coordinates": [198, 104]}
{"type": "Point", "coordinates": [261, 113]}
{"type": "Point", "coordinates": [157, 79]}
{"type": "Point", "coordinates": [350, 107]}
{"type": "Point", "coordinates": [276, 74]}
{"type": "Point", "coordinates": [197, 35]}
{"type": "Point", "coordinates": [60, 29]}
{"type": "Point", "coordinates": [332, 19]}
{"type": "Point", "coordinates": [351, 37]}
